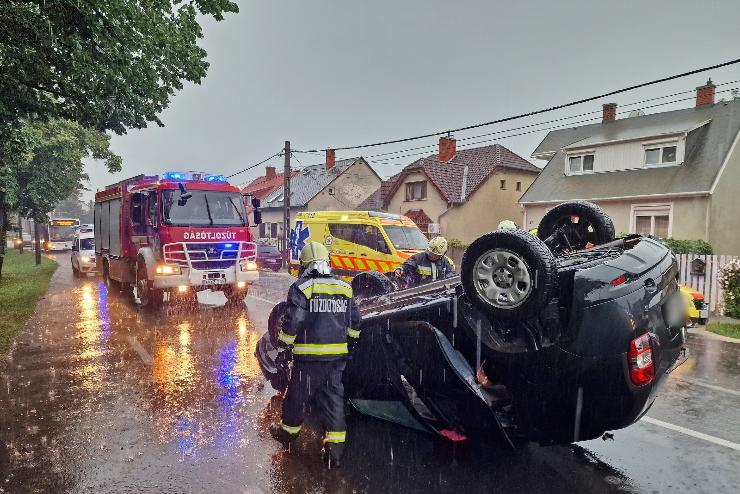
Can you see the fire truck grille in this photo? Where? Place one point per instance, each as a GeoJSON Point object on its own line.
{"type": "Point", "coordinates": [206, 256]}
{"type": "Point", "coordinates": [211, 256]}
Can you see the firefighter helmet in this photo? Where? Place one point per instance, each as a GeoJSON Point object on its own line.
{"type": "Point", "coordinates": [312, 252]}
{"type": "Point", "coordinates": [507, 225]}
{"type": "Point", "coordinates": [437, 246]}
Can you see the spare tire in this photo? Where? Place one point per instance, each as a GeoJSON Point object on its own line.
{"type": "Point", "coordinates": [575, 225]}
{"type": "Point", "coordinates": [369, 284]}
{"type": "Point", "coordinates": [509, 274]}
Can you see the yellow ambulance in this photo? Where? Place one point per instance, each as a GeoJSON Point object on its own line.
{"type": "Point", "coordinates": [357, 240]}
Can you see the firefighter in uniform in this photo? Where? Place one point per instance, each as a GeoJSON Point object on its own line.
{"type": "Point", "coordinates": [430, 265]}
{"type": "Point", "coordinates": [321, 323]}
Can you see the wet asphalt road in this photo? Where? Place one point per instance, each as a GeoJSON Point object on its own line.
{"type": "Point", "coordinates": [100, 396]}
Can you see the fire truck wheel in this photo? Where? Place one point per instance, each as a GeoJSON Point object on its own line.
{"type": "Point", "coordinates": [149, 297]}
{"type": "Point", "coordinates": [113, 287]}
{"type": "Point", "coordinates": [235, 296]}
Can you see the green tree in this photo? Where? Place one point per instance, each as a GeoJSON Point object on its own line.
{"type": "Point", "coordinates": [52, 167]}
{"type": "Point", "coordinates": [108, 65]}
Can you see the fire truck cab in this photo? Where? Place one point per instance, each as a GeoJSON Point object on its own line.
{"type": "Point", "coordinates": [177, 234]}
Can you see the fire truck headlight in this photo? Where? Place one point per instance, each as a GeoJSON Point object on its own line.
{"type": "Point", "coordinates": [18, 241]}
{"type": "Point", "coordinates": [249, 266]}
{"type": "Point", "coordinates": [85, 259]}
{"type": "Point", "coordinates": [166, 269]}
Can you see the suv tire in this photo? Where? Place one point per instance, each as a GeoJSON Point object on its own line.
{"type": "Point", "coordinates": [573, 225]}
{"type": "Point", "coordinates": [509, 274]}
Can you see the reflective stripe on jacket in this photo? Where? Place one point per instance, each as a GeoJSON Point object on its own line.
{"type": "Point", "coordinates": [423, 270]}
{"type": "Point", "coordinates": [319, 318]}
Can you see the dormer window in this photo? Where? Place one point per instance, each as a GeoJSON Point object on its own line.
{"type": "Point", "coordinates": [660, 155]}
{"type": "Point", "coordinates": [583, 163]}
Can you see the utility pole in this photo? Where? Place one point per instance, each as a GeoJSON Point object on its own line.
{"type": "Point", "coordinates": [286, 206]}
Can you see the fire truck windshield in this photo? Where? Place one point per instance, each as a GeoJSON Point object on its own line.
{"type": "Point", "coordinates": [203, 208]}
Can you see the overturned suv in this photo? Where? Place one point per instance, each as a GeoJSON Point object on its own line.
{"type": "Point", "coordinates": [554, 337]}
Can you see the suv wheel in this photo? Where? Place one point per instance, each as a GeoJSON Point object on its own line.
{"type": "Point", "coordinates": [575, 225]}
{"type": "Point", "coordinates": [370, 284]}
{"type": "Point", "coordinates": [509, 274]}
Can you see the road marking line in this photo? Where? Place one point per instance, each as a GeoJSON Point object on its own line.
{"type": "Point", "coordinates": [262, 299]}
{"type": "Point", "coordinates": [689, 432]}
{"type": "Point", "coordinates": [707, 385]}
{"type": "Point", "coordinates": [140, 350]}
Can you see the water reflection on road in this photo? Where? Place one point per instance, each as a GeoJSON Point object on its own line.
{"type": "Point", "coordinates": [101, 396]}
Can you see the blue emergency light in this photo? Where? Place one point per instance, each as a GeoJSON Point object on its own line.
{"type": "Point", "coordinates": [228, 246]}
{"type": "Point", "coordinates": [176, 176]}
{"type": "Point", "coordinates": [180, 176]}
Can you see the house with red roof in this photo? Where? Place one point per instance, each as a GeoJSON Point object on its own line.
{"type": "Point", "coordinates": [460, 194]}
{"type": "Point", "coordinates": [263, 186]}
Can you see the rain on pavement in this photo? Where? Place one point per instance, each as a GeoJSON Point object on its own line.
{"type": "Point", "coordinates": [100, 396]}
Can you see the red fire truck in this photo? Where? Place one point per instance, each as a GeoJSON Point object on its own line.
{"type": "Point", "coordinates": [177, 234]}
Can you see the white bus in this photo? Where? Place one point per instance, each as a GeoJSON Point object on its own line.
{"type": "Point", "coordinates": [61, 233]}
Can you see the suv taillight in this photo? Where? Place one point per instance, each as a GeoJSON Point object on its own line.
{"type": "Point", "coordinates": [640, 360]}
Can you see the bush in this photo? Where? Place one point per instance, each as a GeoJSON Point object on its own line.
{"type": "Point", "coordinates": [729, 280]}
{"type": "Point", "coordinates": [689, 246]}
{"type": "Point", "coordinates": [455, 243]}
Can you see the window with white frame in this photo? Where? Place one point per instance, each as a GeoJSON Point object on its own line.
{"type": "Point", "coordinates": [652, 220]}
{"type": "Point", "coordinates": [664, 154]}
{"type": "Point", "coordinates": [582, 163]}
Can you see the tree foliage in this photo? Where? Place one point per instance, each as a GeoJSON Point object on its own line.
{"type": "Point", "coordinates": [55, 168]}
{"type": "Point", "coordinates": [108, 65]}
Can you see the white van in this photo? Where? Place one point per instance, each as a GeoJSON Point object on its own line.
{"type": "Point", "coordinates": [83, 253]}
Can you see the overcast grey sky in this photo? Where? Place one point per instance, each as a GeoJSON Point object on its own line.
{"type": "Point", "coordinates": [344, 72]}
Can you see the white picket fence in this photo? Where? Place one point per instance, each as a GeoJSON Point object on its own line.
{"type": "Point", "coordinates": [706, 283]}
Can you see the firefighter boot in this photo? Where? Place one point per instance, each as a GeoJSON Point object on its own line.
{"type": "Point", "coordinates": [282, 436]}
{"type": "Point", "coordinates": [331, 455]}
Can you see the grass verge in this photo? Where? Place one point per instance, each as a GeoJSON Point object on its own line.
{"type": "Point", "coordinates": [20, 287]}
{"type": "Point", "coordinates": [731, 330]}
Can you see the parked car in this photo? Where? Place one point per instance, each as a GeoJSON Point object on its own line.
{"type": "Point", "coordinates": [268, 256]}
{"type": "Point", "coordinates": [83, 254]}
{"type": "Point", "coordinates": [697, 310]}
{"type": "Point", "coordinates": [555, 338]}
{"type": "Point", "coordinates": [26, 238]}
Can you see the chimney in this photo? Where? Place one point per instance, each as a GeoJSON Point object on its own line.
{"type": "Point", "coordinates": [330, 160]}
{"type": "Point", "coordinates": [270, 172]}
{"type": "Point", "coordinates": [705, 94]}
{"type": "Point", "coordinates": [609, 112]}
{"type": "Point", "coordinates": [447, 148]}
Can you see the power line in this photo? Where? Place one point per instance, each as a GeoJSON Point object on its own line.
{"type": "Point", "coordinates": [543, 110]}
{"type": "Point", "coordinates": [279, 153]}
{"type": "Point", "coordinates": [536, 125]}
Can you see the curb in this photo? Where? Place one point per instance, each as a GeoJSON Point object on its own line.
{"type": "Point", "coordinates": [713, 336]}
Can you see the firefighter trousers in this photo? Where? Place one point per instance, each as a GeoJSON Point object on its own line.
{"type": "Point", "coordinates": [317, 384]}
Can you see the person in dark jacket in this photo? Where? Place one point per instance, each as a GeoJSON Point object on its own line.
{"type": "Point", "coordinates": [427, 266]}
{"type": "Point", "coordinates": [321, 321]}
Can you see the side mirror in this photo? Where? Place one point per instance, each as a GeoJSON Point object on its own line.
{"type": "Point", "coordinates": [75, 248]}
{"type": "Point", "coordinates": [256, 203]}
{"type": "Point", "coordinates": [257, 214]}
